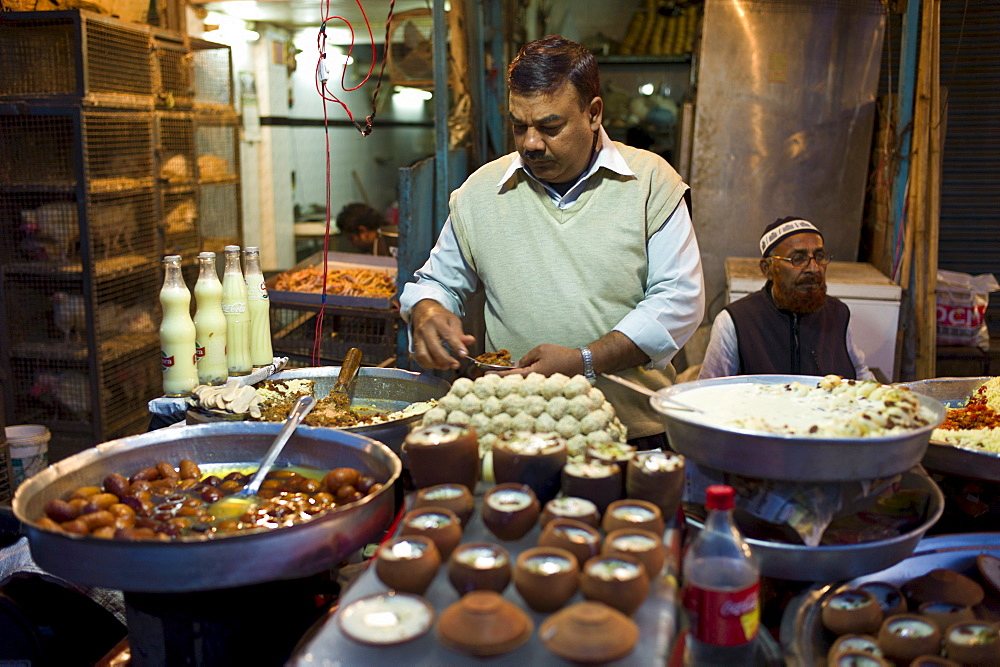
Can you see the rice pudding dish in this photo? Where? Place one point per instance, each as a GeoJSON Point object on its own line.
{"type": "Point", "coordinates": [836, 408]}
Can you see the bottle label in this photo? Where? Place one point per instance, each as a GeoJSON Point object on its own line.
{"type": "Point", "coordinates": [166, 361]}
{"type": "Point", "coordinates": [263, 290]}
{"type": "Point", "coordinates": [199, 351]}
{"type": "Point", "coordinates": [723, 618]}
{"type": "Point", "coordinates": [234, 308]}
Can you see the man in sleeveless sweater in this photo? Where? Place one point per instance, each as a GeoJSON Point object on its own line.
{"type": "Point", "coordinates": [584, 247]}
{"type": "Point", "coordinates": [791, 326]}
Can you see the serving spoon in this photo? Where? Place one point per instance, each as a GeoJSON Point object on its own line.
{"type": "Point", "coordinates": [237, 504]}
{"type": "Point", "coordinates": [476, 362]}
{"type": "Point", "coordinates": [667, 402]}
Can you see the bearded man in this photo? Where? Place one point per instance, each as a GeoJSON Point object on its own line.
{"type": "Point", "coordinates": [790, 326]}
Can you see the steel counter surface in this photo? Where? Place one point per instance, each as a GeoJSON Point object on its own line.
{"type": "Point", "coordinates": [657, 618]}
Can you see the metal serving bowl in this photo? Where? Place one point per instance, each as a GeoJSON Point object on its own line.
{"type": "Point", "coordinates": [797, 562]}
{"type": "Point", "coordinates": [790, 457]}
{"type": "Point", "coordinates": [941, 456]}
{"type": "Point", "coordinates": [384, 389]}
{"type": "Point", "coordinates": [235, 560]}
{"type": "Point", "coordinates": [806, 642]}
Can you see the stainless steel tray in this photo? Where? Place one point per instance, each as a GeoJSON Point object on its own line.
{"type": "Point", "coordinates": [341, 260]}
{"type": "Point", "coordinates": [942, 457]}
{"type": "Point", "coordinates": [797, 562]}
{"type": "Point", "coordinates": [236, 560]}
{"type": "Point", "coordinates": [803, 638]}
{"type": "Point", "coordinates": [386, 389]}
{"type": "Point", "coordinates": [789, 457]}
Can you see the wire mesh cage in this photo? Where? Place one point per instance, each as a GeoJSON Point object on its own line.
{"type": "Point", "coordinates": [118, 150]}
{"type": "Point", "coordinates": [213, 73]}
{"type": "Point", "coordinates": [217, 144]}
{"type": "Point", "coordinates": [175, 80]}
{"type": "Point", "coordinates": [219, 218]}
{"type": "Point", "coordinates": [372, 330]}
{"type": "Point", "coordinates": [115, 57]}
{"type": "Point", "coordinates": [175, 148]}
{"type": "Point", "coordinates": [38, 150]}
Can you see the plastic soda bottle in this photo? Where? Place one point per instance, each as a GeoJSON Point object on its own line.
{"type": "Point", "coordinates": [177, 332]}
{"type": "Point", "coordinates": [210, 323]}
{"type": "Point", "coordinates": [721, 589]}
{"type": "Point", "coordinates": [234, 306]}
{"type": "Point", "coordinates": [261, 353]}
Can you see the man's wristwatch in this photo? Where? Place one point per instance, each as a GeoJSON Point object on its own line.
{"type": "Point", "coordinates": [588, 365]}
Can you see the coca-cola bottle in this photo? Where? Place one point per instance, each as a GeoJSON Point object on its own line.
{"type": "Point", "coordinates": [261, 353]}
{"type": "Point", "coordinates": [177, 332]}
{"type": "Point", "coordinates": [234, 306]}
{"type": "Point", "coordinates": [210, 323]}
{"type": "Point", "coordinates": [721, 589]}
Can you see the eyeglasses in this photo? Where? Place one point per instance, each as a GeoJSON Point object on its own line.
{"type": "Point", "coordinates": [801, 259]}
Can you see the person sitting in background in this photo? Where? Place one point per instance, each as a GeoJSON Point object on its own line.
{"type": "Point", "coordinates": [790, 326]}
{"type": "Point", "coordinates": [360, 222]}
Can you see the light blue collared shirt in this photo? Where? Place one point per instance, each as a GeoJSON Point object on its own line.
{"type": "Point", "coordinates": [660, 324]}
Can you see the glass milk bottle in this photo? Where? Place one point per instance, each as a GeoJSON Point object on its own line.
{"type": "Point", "coordinates": [210, 324]}
{"type": "Point", "coordinates": [177, 332]}
{"type": "Point", "coordinates": [234, 306]}
{"type": "Point", "coordinates": [260, 310]}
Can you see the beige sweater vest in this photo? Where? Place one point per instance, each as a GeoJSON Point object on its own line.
{"type": "Point", "coordinates": [567, 277]}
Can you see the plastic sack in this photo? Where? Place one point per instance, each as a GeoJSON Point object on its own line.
{"type": "Point", "coordinates": [961, 308]}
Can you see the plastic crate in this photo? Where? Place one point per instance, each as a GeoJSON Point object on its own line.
{"type": "Point", "coordinates": [75, 55]}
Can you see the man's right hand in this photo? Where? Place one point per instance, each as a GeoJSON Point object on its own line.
{"type": "Point", "coordinates": [433, 324]}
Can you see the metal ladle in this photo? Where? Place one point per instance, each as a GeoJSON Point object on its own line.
{"type": "Point", "coordinates": [237, 504]}
{"type": "Point", "coordinates": [667, 402]}
{"type": "Point", "coordinates": [475, 362]}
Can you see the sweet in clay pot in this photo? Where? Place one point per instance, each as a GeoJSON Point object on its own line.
{"type": "Point", "coordinates": [455, 497]}
{"type": "Point", "coordinates": [479, 566]}
{"type": "Point", "coordinates": [510, 510]}
{"type": "Point", "coordinates": [632, 513]}
{"type": "Point", "coordinates": [643, 545]}
{"type": "Point", "coordinates": [436, 523]}
{"type": "Point", "coordinates": [617, 581]}
{"type": "Point", "coordinates": [442, 454]}
{"type": "Point", "coordinates": [546, 577]}
{"type": "Point", "coordinates": [408, 563]}
{"type": "Point", "coordinates": [589, 632]}
{"type": "Point", "coordinates": [535, 459]}
{"type": "Point", "coordinates": [569, 507]}
{"type": "Point", "coordinates": [576, 537]}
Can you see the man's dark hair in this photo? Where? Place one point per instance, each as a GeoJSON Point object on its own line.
{"type": "Point", "coordinates": [543, 65]}
{"type": "Point", "coordinates": [357, 215]}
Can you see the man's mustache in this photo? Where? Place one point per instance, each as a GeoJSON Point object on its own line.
{"type": "Point", "coordinates": [535, 156]}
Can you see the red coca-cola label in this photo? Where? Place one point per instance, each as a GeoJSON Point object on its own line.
{"type": "Point", "coordinates": [199, 351]}
{"type": "Point", "coordinates": [165, 361]}
{"type": "Point", "coordinates": [723, 618]}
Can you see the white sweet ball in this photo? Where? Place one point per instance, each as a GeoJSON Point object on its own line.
{"type": "Point", "coordinates": [594, 421]}
{"type": "Point", "coordinates": [450, 401]}
{"type": "Point", "coordinates": [553, 385]}
{"type": "Point", "coordinates": [509, 384]}
{"type": "Point", "coordinates": [492, 406]}
{"type": "Point", "coordinates": [471, 404]}
{"type": "Point", "coordinates": [579, 406]}
{"type": "Point", "coordinates": [480, 422]}
{"type": "Point", "coordinates": [534, 405]}
{"type": "Point", "coordinates": [545, 423]}
{"type": "Point", "coordinates": [532, 384]}
{"type": "Point", "coordinates": [522, 422]}
{"type": "Point", "coordinates": [461, 387]}
{"type": "Point", "coordinates": [557, 406]}
{"type": "Point", "coordinates": [501, 423]}
{"type": "Point", "coordinates": [486, 386]}
{"type": "Point", "coordinates": [513, 404]}
{"type": "Point", "coordinates": [576, 446]}
{"type": "Point", "coordinates": [567, 427]}
{"type": "Point", "coordinates": [458, 417]}
{"type": "Point", "coordinates": [576, 386]}
{"type": "Point", "coordinates": [435, 415]}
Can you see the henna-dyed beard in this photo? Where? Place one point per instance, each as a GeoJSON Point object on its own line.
{"type": "Point", "coordinates": [808, 296]}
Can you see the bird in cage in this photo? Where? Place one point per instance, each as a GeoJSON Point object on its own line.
{"type": "Point", "coordinates": [69, 313]}
{"type": "Point", "coordinates": [52, 230]}
{"type": "Point", "coordinates": [66, 392]}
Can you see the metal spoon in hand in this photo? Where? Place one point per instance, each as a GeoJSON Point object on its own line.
{"type": "Point", "coordinates": [237, 504]}
{"type": "Point", "coordinates": [475, 362]}
{"type": "Point", "coordinates": [667, 402]}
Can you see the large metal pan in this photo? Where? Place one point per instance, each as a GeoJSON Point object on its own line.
{"type": "Point", "coordinates": [797, 562]}
{"type": "Point", "coordinates": [803, 638]}
{"type": "Point", "coordinates": [237, 560]}
{"type": "Point", "coordinates": [789, 457]}
{"type": "Point", "coordinates": [941, 456]}
{"type": "Point", "coordinates": [385, 389]}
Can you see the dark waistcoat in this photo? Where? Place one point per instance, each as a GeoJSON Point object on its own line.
{"type": "Point", "coordinates": [771, 340]}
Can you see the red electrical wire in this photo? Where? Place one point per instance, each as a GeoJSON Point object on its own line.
{"type": "Point", "coordinates": [366, 129]}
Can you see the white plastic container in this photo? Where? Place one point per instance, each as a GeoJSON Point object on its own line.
{"type": "Point", "coordinates": [29, 450]}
